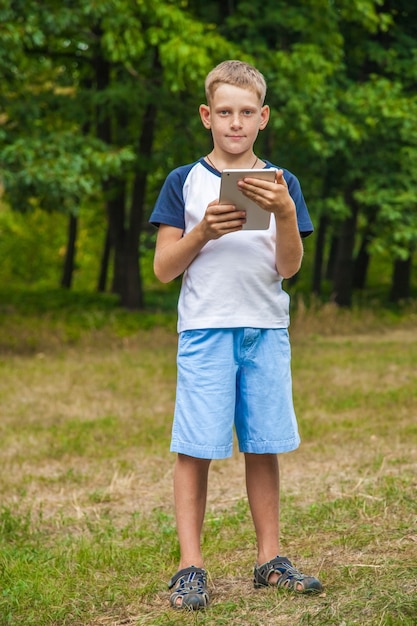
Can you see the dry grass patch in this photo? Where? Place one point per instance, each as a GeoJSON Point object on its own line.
{"type": "Point", "coordinates": [87, 531]}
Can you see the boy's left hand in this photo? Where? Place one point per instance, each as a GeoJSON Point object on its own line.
{"type": "Point", "coordinates": [273, 197]}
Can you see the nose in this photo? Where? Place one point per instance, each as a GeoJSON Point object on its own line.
{"type": "Point", "coordinates": [236, 121]}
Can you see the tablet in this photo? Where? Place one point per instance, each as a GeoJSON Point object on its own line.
{"type": "Point", "coordinates": [256, 218]}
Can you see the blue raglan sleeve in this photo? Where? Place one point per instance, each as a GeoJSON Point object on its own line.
{"type": "Point", "coordinates": [169, 206]}
{"type": "Point", "coordinates": [305, 224]}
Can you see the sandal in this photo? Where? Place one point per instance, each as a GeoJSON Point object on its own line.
{"type": "Point", "coordinates": [290, 578]}
{"type": "Point", "coordinates": [190, 586]}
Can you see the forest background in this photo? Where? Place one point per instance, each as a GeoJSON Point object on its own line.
{"type": "Point", "coordinates": [99, 101]}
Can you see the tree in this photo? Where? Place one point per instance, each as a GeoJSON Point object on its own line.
{"type": "Point", "coordinates": [105, 67]}
{"type": "Point", "coordinates": [341, 79]}
{"type": "Point", "coordinates": [380, 104]}
{"type": "Point", "coordinates": [100, 102]}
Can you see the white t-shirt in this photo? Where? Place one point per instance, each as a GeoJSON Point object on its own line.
{"type": "Point", "coordinates": [233, 281]}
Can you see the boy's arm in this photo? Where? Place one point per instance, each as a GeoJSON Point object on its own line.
{"type": "Point", "coordinates": [274, 197]}
{"type": "Point", "coordinates": [289, 247]}
{"type": "Point", "coordinates": [174, 251]}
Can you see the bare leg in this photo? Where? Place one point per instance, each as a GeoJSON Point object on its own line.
{"type": "Point", "coordinates": [262, 484]}
{"type": "Point", "coordinates": [190, 494]}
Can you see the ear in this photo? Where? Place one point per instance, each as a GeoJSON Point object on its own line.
{"type": "Point", "coordinates": [265, 111]}
{"type": "Point", "coordinates": [205, 115]}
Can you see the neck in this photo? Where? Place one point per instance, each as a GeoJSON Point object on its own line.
{"type": "Point", "coordinates": [220, 165]}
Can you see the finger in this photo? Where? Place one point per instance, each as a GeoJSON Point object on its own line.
{"type": "Point", "coordinates": [217, 207]}
{"type": "Point", "coordinates": [231, 225]}
{"type": "Point", "coordinates": [279, 178]}
{"type": "Point", "coordinates": [224, 212]}
{"type": "Point", "coordinates": [237, 217]}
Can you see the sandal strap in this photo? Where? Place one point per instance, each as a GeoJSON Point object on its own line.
{"type": "Point", "coordinates": [188, 570]}
{"type": "Point", "coordinates": [190, 586]}
{"type": "Point", "coordinates": [289, 576]}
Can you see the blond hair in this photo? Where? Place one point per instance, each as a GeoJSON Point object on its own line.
{"type": "Point", "coordinates": [235, 73]}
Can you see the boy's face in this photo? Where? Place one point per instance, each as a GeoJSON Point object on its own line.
{"type": "Point", "coordinates": [235, 116]}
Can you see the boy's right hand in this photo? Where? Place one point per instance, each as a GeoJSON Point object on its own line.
{"type": "Point", "coordinates": [175, 251]}
{"type": "Point", "coordinates": [220, 219]}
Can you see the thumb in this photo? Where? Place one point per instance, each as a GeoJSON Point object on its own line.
{"type": "Point", "coordinates": [279, 178]}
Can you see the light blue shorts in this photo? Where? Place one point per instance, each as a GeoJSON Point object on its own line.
{"type": "Point", "coordinates": [238, 377]}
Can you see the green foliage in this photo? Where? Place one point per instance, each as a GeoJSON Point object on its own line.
{"type": "Point", "coordinates": [57, 171]}
{"type": "Point", "coordinates": [345, 117]}
{"type": "Point", "coordinates": [78, 78]}
{"type": "Point", "coordinates": [51, 156]}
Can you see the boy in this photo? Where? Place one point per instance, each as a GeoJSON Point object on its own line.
{"type": "Point", "coordinates": [233, 316]}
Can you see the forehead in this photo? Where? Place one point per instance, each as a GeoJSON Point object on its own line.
{"type": "Point", "coordinates": [231, 95]}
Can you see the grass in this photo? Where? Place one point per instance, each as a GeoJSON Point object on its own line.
{"type": "Point", "coordinates": [87, 535]}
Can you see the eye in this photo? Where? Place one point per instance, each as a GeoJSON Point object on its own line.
{"type": "Point", "coordinates": [224, 112]}
{"type": "Point", "coordinates": [247, 112]}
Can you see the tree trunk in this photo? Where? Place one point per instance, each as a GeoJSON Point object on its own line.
{"type": "Point", "coordinates": [401, 280]}
{"type": "Point", "coordinates": [116, 211]}
{"type": "Point", "coordinates": [132, 296]}
{"type": "Point", "coordinates": [360, 269]}
{"type": "Point", "coordinates": [319, 255]}
{"type": "Point", "coordinates": [69, 263]}
{"type": "Point", "coordinates": [68, 270]}
{"type": "Point", "coordinates": [104, 132]}
{"type": "Point", "coordinates": [331, 260]}
{"type": "Point", "coordinates": [343, 271]}
{"type": "Point", "coordinates": [104, 264]}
